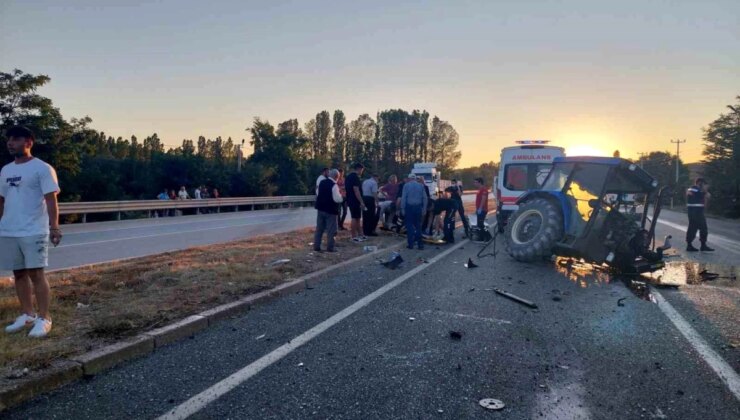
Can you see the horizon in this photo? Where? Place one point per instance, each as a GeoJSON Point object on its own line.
{"type": "Point", "coordinates": [497, 72]}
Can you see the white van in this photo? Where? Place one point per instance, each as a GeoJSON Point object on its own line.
{"type": "Point", "coordinates": [522, 168]}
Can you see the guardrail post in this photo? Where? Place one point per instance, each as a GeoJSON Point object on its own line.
{"type": "Point", "coordinates": [84, 217]}
{"type": "Point", "coordinates": [218, 209]}
{"type": "Point", "coordinates": [236, 209]}
{"type": "Point", "coordinates": [252, 207]}
{"type": "Point", "coordinates": [118, 216]}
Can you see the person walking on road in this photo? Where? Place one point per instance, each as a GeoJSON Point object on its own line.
{"type": "Point", "coordinates": [481, 203]}
{"type": "Point", "coordinates": [413, 205]}
{"type": "Point", "coordinates": [696, 200]}
{"type": "Point", "coordinates": [327, 205]}
{"type": "Point", "coordinates": [29, 220]}
{"type": "Point", "coordinates": [370, 199]}
{"type": "Point", "coordinates": [354, 201]}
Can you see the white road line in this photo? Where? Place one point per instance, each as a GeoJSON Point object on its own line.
{"type": "Point", "coordinates": [164, 234]}
{"type": "Point", "coordinates": [198, 402]}
{"type": "Point", "coordinates": [720, 241]}
{"type": "Point", "coordinates": [714, 360]}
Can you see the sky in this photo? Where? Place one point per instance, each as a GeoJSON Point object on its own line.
{"type": "Point", "coordinates": [592, 76]}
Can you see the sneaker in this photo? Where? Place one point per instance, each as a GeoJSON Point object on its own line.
{"type": "Point", "coordinates": [40, 328]}
{"type": "Point", "coordinates": [357, 239]}
{"type": "Point", "coordinates": [705, 248]}
{"type": "Point", "coordinates": [363, 238]}
{"type": "Point", "coordinates": [691, 248]}
{"type": "Point", "coordinates": [20, 323]}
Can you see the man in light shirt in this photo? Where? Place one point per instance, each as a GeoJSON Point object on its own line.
{"type": "Point", "coordinates": [29, 220]}
{"type": "Point", "coordinates": [370, 199]}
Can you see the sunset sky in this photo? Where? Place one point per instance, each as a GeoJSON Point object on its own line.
{"type": "Point", "coordinates": [599, 76]}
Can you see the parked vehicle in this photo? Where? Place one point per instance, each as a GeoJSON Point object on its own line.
{"type": "Point", "coordinates": [522, 168]}
{"type": "Point", "coordinates": [432, 177]}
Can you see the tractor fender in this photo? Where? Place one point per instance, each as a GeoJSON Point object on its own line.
{"type": "Point", "coordinates": [555, 196]}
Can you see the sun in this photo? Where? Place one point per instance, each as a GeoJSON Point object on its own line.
{"type": "Point", "coordinates": [585, 150]}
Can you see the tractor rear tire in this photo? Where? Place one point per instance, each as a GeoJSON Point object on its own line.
{"type": "Point", "coordinates": [533, 230]}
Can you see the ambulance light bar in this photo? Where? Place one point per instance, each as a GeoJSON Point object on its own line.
{"type": "Point", "coordinates": [532, 141]}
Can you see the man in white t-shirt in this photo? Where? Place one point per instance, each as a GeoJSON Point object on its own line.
{"type": "Point", "coordinates": [324, 175]}
{"type": "Point", "coordinates": [29, 220]}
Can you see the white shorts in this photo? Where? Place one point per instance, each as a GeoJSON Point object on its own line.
{"type": "Point", "coordinates": [24, 252]}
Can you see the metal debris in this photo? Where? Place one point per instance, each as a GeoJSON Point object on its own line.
{"type": "Point", "coordinates": [470, 264]}
{"type": "Point", "coordinates": [619, 302]}
{"type": "Point", "coordinates": [260, 337]}
{"type": "Point", "coordinates": [456, 335]}
{"type": "Point", "coordinates": [394, 261]}
{"type": "Point", "coordinates": [278, 262]}
{"type": "Point", "coordinates": [492, 404]}
{"type": "Point", "coordinates": [516, 298]}
{"type": "Point", "coordinates": [370, 248]}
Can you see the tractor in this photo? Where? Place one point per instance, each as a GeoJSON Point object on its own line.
{"type": "Point", "coordinates": [581, 212]}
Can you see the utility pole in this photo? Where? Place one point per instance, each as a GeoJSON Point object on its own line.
{"type": "Point", "coordinates": [239, 156]}
{"type": "Point", "coordinates": [678, 153]}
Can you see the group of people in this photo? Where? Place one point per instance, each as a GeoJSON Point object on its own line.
{"type": "Point", "coordinates": [200, 193]}
{"type": "Point", "coordinates": [408, 204]}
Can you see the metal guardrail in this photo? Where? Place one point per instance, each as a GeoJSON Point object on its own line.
{"type": "Point", "coordinates": [118, 207]}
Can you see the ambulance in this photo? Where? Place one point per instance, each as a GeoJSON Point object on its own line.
{"type": "Point", "coordinates": [523, 167]}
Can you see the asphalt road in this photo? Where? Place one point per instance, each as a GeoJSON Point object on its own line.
{"type": "Point", "coordinates": [375, 343]}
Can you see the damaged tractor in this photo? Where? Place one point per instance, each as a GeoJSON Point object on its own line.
{"type": "Point", "coordinates": [581, 211]}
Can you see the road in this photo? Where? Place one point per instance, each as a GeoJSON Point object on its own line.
{"type": "Point", "coordinates": [374, 343]}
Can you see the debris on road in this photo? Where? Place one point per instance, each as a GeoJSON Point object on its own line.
{"type": "Point", "coordinates": [422, 260]}
{"type": "Point", "coordinates": [17, 374]}
{"type": "Point", "coordinates": [370, 248]}
{"type": "Point", "coordinates": [470, 264]}
{"type": "Point", "coordinates": [492, 404]}
{"type": "Point", "coordinates": [619, 302]}
{"type": "Point", "coordinates": [393, 262]}
{"type": "Point", "coordinates": [708, 275]}
{"type": "Point", "coordinates": [472, 289]}
{"type": "Point", "coordinates": [411, 318]}
{"type": "Point", "coordinates": [260, 337]}
{"type": "Point", "coordinates": [300, 364]}
{"type": "Point", "coordinates": [456, 335]}
{"type": "Point", "coordinates": [278, 262]}
{"type": "Point", "coordinates": [516, 298]}
{"type": "Point", "coordinates": [557, 298]}
{"type": "Point", "coordinates": [81, 305]}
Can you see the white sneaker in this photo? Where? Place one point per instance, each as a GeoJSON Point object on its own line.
{"type": "Point", "coordinates": [20, 323]}
{"type": "Point", "coordinates": [40, 328]}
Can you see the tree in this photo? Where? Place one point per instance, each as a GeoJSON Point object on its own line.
{"type": "Point", "coordinates": [722, 161]}
{"type": "Point", "coordinates": [339, 144]}
{"type": "Point", "coordinates": [322, 135]}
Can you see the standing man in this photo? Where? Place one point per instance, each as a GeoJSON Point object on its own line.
{"type": "Point", "coordinates": [696, 199]}
{"type": "Point", "coordinates": [413, 206]}
{"type": "Point", "coordinates": [354, 201]}
{"type": "Point", "coordinates": [327, 204]}
{"type": "Point", "coordinates": [370, 199]}
{"type": "Point", "coordinates": [481, 202]}
{"type": "Point", "coordinates": [29, 219]}
{"type": "Point", "coordinates": [324, 174]}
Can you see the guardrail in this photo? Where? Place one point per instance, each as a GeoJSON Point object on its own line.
{"type": "Point", "coordinates": [118, 207]}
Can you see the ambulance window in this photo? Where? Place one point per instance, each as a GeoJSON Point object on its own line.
{"type": "Point", "coordinates": [515, 177]}
{"type": "Point", "coordinates": [541, 174]}
{"type": "Point", "coordinates": [558, 177]}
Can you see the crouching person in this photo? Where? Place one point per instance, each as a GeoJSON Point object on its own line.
{"type": "Point", "coordinates": [328, 200]}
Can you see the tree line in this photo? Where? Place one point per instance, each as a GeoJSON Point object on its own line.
{"type": "Point", "coordinates": [94, 166]}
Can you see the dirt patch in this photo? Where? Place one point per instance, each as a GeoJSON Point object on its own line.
{"type": "Point", "coordinates": [104, 303]}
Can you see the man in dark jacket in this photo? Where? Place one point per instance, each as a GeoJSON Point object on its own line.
{"type": "Point", "coordinates": [327, 203]}
{"type": "Point", "coordinates": [696, 197]}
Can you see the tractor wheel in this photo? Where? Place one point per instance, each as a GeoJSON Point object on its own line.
{"type": "Point", "coordinates": [533, 230]}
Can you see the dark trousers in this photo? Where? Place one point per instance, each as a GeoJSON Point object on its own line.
{"type": "Point", "coordinates": [481, 216]}
{"type": "Point", "coordinates": [369, 216]}
{"type": "Point", "coordinates": [697, 221]}
{"type": "Point", "coordinates": [461, 209]}
{"type": "Point", "coordinates": [342, 213]}
{"type": "Point", "coordinates": [325, 222]}
{"type": "Point", "coordinates": [412, 219]}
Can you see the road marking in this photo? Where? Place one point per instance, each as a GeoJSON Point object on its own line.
{"type": "Point", "coordinates": [199, 401]}
{"type": "Point", "coordinates": [166, 234]}
{"type": "Point", "coordinates": [720, 241]}
{"type": "Point", "coordinates": [714, 360]}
